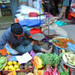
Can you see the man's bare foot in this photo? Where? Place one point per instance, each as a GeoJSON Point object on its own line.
{"type": "Point", "coordinates": [51, 49]}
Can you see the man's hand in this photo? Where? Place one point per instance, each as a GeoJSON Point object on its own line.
{"type": "Point", "coordinates": [50, 50]}
{"type": "Point", "coordinates": [47, 51]}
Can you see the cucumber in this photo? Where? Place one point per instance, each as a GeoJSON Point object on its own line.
{"type": "Point", "coordinates": [1, 66]}
{"type": "Point", "coordinates": [2, 60]}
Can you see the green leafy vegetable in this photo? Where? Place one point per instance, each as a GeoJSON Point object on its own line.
{"type": "Point", "coordinates": [1, 66]}
{"type": "Point", "coordinates": [65, 72]}
{"type": "Point", "coordinates": [50, 59]}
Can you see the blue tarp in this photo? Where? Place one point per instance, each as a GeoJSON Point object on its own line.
{"type": "Point", "coordinates": [31, 22]}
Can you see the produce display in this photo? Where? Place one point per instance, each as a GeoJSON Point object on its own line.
{"type": "Point", "coordinates": [44, 63]}
{"type": "Point", "coordinates": [30, 74]}
{"type": "Point", "coordinates": [14, 68]}
{"type": "Point", "coordinates": [62, 42]}
{"type": "Point", "coordinates": [69, 58]}
{"type": "Point", "coordinates": [65, 72]}
{"type": "Point", "coordinates": [3, 61]}
{"type": "Point", "coordinates": [12, 65]}
{"type": "Point", "coordinates": [50, 59]}
{"type": "Point", "coordinates": [38, 72]}
{"type": "Point", "coordinates": [47, 71]}
{"type": "Point", "coordinates": [21, 73]}
{"type": "Point", "coordinates": [37, 62]}
{"type": "Point", "coordinates": [25, 66]}
{"type": "Point", "coordinates": [58, 61]}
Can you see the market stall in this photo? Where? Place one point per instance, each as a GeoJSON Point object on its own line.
{"type": "Point", "coordinates": [60, 61]}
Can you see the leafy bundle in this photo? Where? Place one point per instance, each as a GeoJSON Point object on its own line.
{"type": "Point", "coordinates": [50, 59]}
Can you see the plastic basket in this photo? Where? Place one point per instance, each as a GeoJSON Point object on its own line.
{"type": "Point", "coordinates": [57, 49]}
{"type": "Point", "coordinates": [10, 50]}
{"type": "Point", "coordinates": [20, 72]}
{"type": "Point", "coordinates": [35, 31]}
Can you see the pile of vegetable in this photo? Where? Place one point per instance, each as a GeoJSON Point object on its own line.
{"type": "Point", "coordinates": [50, 59]}
{"type": "Point", "coordinates": [47, 71]}
{"type": "Point", "coordinates": [3, 61]}
{"type": "Point", "coordinates": [46, 64]}
{"type": "Point", "coordinates": [29, 74]}
{"type": "Point", "coordinates": [62, 42]}
{"type": "Point", "coordinates": [37, 62]}
{"type": "Point", "coordinates": [12, 65]}
{"type": "Point", "coordinates": [69, 58]}
{"type": "Point", "coordinates": [14, 68]}
{"type": "Point", "coordinates": [25, 66]}
{"type": "Point", "coordinates": [65, 72]}
{"type": "Point", "coordinates": [38, 72]}
{"type": "Point", "coordinates": [21, 73]}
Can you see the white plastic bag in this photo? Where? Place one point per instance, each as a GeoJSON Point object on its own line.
{"type": "Point", "coordinates": [10, 50]}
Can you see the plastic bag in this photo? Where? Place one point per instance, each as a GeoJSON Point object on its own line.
{"type": "Point", "coordinates": [10, 50]}
{"type": "Point", "coordinates": [71, 47]}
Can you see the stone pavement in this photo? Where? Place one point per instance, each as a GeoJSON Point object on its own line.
{"type": "Point", "coordinates": [59, 30]}
{"type": "Point", "coordinates": [70, 29]}
{"type": "Point", "coordinates": [67, 31]}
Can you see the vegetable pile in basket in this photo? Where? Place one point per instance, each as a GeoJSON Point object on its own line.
{"type": "Point", "coordinates": [3, 61]}
{"type": "Point", "coordinates": [62, 42]}
{"type": "Point", "coordinates": [12, 65]}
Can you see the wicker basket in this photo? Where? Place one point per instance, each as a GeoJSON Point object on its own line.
{"type": "Point", "coordinates": [23, 71]}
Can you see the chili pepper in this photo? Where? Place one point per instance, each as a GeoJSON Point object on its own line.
{"type": "Point", "coordinates": [65, 68]}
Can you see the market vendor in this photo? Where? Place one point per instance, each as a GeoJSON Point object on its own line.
{"type": "Point", "coordinates": [19, 39]}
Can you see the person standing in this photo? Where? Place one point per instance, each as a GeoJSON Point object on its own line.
{"type": "Point", "coordinates": [65, 8]}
